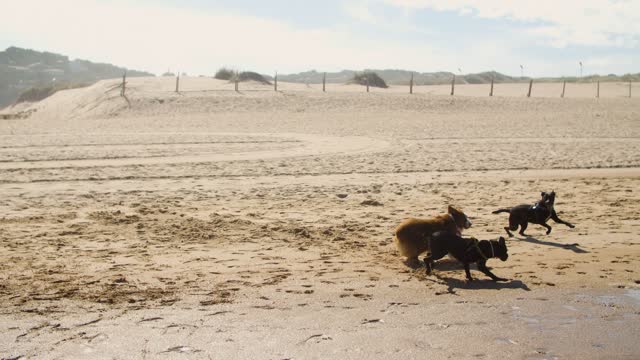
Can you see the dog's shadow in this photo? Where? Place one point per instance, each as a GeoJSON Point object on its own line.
{"type": "Point", "coordinates": [479, 283]}
{"type": "Point", "coordinates": [575, 247]}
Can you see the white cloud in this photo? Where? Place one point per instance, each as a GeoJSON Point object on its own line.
{"type": "Point", "coordinates": [604, 64]}
{"type": "Point", "coordinates": [566, 22]}
{"type": "Point", "coordinates": [148, 36]}
{"type": "Point", "coordinates": [360, 11]}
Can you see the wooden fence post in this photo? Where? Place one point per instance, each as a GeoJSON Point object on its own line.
{"type": "Point", "coordinates": [491, 92]}
{"type": "Point", "coordinates": [411, 84]}
{"type": "Point", "coordinates": [324, 82]}
{"type": "Point", "coordinates": [453, 84]}
{"type": "Point", "coordinates": [598, 90]}
{"type": "Point", "coordinates": [236, 80]}
{"type": "Point", "coordinates": [178, 82]}
{"type": "Point", "coordinates": [275, 82]}
{"type": "Point", "coordinates": [564, 85]}
{"type": "Point", "coordinates": [367, 77]}
{"type": "Point", "coordinates": [124, 84]}
{"type": "Point", "coordinates": [530, 86]}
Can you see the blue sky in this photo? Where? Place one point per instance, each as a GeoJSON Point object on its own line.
{"type": "Point", "coordinates": [548, 37]}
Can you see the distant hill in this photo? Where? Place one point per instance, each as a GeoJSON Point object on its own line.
{"type": "Point", "coordinates": [402, 77]}
{"type": "Point", "coordinates": [23, 69]}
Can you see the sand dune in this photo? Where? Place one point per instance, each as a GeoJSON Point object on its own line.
{"type": "Point", "coordinates": [216, 224]}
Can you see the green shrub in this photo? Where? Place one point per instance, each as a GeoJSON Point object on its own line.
{"type": "Point", "coordinates": [230, 75]}
{"type": "Point", "coordinates": [253, 76]}
{"type": "Point", "coordinates": [373, 79]}
{"type": "Point", "coordinates": [224, 74]}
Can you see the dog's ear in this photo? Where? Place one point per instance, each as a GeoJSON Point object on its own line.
{"type": "Point", "coordinates": [543, 194]}
{"type": "Point", "coordinates": [451, 209]}
{"type": "Point", "coordinates": [502, 242]}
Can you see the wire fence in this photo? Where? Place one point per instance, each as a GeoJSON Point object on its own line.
{"type": "Point", "coordinates": [532, 88]}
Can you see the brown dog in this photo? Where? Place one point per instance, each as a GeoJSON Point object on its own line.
{"type": "Point", "coordinates": [413, 235]}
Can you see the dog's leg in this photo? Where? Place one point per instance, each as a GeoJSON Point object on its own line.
{"type": "Point", "coordinates": [555, 218]}
{"type": "Point", "coordinates": [482, 266]}
{"type": "Point", "coordinates": [468, 272]}
{"type": "Point", "coordinates": [506, 228]}
{"type": "Point", "coordinates": [428, 264]}
{"type": "Point", "coordinates": [548, 228]}
{"type": "Point", "coordinates": [523, 227]}
{"type": "Point", "coordinates": [513, 226]}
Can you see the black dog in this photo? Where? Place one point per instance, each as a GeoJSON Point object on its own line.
{"type": "Point", "coordinates": [538, 213]}
{"type": "Point", "coordinates": [466, 251]}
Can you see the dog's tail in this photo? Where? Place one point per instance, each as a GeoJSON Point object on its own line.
{"type": "Point", "coordinates": [501, 211]}
{"type": "Point", "coordinates": [406, 248]}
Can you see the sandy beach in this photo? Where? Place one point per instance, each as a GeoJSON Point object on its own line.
{"type": "Point", "coordinates": [214, 224]}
